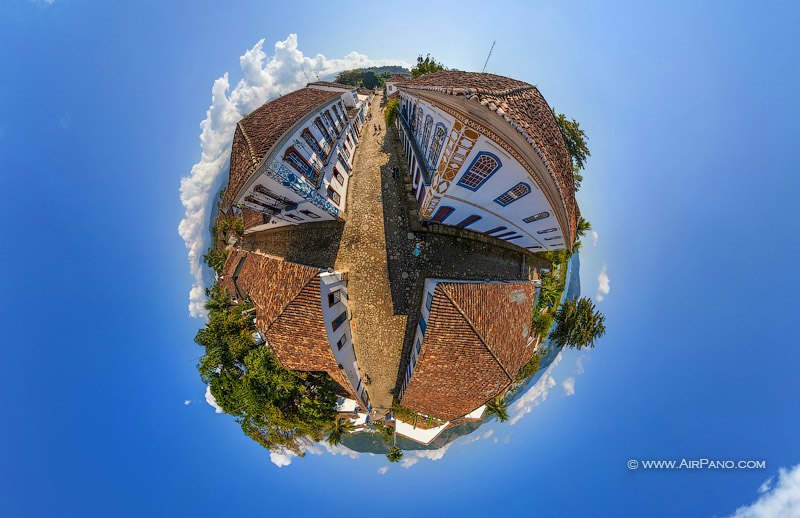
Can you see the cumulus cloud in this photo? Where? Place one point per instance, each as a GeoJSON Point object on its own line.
{"type": "Point", "coordinates": [412, 457]}
{"type": "Point", "coordinates": [263, 78]}
{"type": "Point", "coordinates": [569, 386]}
{"type": "Point", "coordinates": [780, 499]}
{"type": "Point", "coordinates": [603, 284]}
{"type": "Point", "coordinates": [187, 402]}
{"type": "Point", "coordinates": [212, 401]}
{"type": "Point", "coordinates": [281, 458]}
{"type": "Point", "coordinates": [594, 236]}
{"type": "Point", "coordinates": [475, 437]}
{"type": "Point", "coordinates": [534, 396]}
{"type": "Point", "coordinates": [382, 470]}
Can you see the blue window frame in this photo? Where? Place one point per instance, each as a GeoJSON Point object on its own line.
{"type": "Point", "coordinates": [423, 325]}
{"type": "Point", "coordinates": [442, 213]}
{"type": "Point", "coordinates": [505, 234]}
{"type": "Point", "coordinates": [436, 145]}
{"type": "Point", "coordinates": [513, 194]}
{"type": "Point", "coordinates": [429, 301]}
{"type": "Point", "coordinates": [495, 229]}
{"type": "Point", "coordinates": [547, 230]}
{"type": "Point", "coordinates": [481, 169]}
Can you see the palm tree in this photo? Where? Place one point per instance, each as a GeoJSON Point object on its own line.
{"type": "Point", "coordinates": [395, 454]}
{"type": "Point", "coordinates": [498, 407]}
{"type": "Point", "coordinates": [338, 430]}
{"type": "Point", "coordinates": [583, 227]}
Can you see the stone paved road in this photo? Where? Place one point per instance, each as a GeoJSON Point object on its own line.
{"type": "Point", "coordinates": [377, 331]}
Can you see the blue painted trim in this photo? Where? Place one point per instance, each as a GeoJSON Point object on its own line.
{"type": "Point", "coordinates": [473, 189]}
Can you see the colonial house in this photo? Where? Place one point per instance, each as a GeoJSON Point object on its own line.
{"type": "Point", "coordinates": [301, 313]}
{"type": "Point", "coordinates": [485, 153]}
{"type": "Point", "coordinates": [291, 158]}
{"type": "Point", "coordinates": [471, 341]}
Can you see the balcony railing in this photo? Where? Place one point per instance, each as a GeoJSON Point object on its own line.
{"type": "Point", "coordinates": [421, 161]}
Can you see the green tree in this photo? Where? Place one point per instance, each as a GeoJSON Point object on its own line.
{"type": "Point", "coordinates": [395, 454]}
{"type": "Point", "coordinates": [276, 407]}
{"type": "Point", "coordinates": [215, 258]}
{"type": "Point", "coordinates": [428, 65]}
{"type": "Point", "coordinates": [578, 324]}
{"type": "Point", "coordinates": [339, 429]}
{"type": "Point", "coordinates": [370, 80]}
{"type": "Point", "coordinates": [390, 111]}
{"type": "Point", "coordinates": [498, 407]}
{"type": "Point", "coordinates": [575, 138]}
{"type": "Point", "coordinates": [583, 227]}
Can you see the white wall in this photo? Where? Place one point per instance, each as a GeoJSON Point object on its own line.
{"type": "Point", "coordinates": [481, 202]}
{"type": "Point", "coordinates": [346, 356]}
{"type": "Point", "coordinates": [296, 216]}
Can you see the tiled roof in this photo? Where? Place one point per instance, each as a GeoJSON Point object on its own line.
{"type": "Point", "coordinates": [397, 78]}
{"type": "Point", "coordinates": [476, 341]}
{"type": "Point", "coordinates": [271, 284]}
{"type": "Point", "coordinates": [258, 132]}
{"type": "Point", "coordinates": [330, 84]}
{"type": "Point", "coordinates": [288, 311]}
{"type": "Point", "coordinates": [522, 106]}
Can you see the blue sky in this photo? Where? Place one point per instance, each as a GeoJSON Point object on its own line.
{"type": "Point", "coordinates": [690, 110]}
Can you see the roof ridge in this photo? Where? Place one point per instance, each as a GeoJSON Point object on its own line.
{"type": "Point", "coordinates": [247, 141]}
{"type": "Point", "coordinates": [296, 295]}
{"type": "Point", "coordinates": [479, 335]}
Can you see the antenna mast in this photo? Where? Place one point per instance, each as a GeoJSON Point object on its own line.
{"type": "Point", "coordinates": [487, 57]}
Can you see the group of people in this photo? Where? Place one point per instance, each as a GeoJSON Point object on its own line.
{"type": "Point", "coordinates": [377, 129]}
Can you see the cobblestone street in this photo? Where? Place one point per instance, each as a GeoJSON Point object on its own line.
{"type": "Point", "coordinates": [374, 245]}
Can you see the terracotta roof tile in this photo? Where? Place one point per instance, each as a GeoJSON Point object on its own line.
{"type": "Point", "coordinates": [522, 106]}
{"type": "Point", "coordinates": [258, 132]}
{"type": "Point", "coordinates": [476, 342]}
{"type": "Point", "coordinates": [330, 84]}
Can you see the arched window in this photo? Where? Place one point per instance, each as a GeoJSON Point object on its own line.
{"type": "Point", "coordinates": [436, 144]}
{"type": "Point", "coordinates": [469, 221]}
{"type": "Point", "coordinates": [513, 194]}
{"type": "Point", "coordinates": [537, 217]}
{"type": "Point", "coordinates": [442, 213]}
{"type": "Point", "coordinates": [297, 161]}
{"type": "Point", "coordinates": [336, 112]}
{"type": "Point", "coordinates": [312, 142]}
{"type": "Point", "coordinates": [323, 130]}
{"type": "Point", "coordinates": [484, 166]}
{"type": "Point", "coordinates": [426, 133]}
{"type": "Point", "coordinates": [547, 230]}
{"type": "Point", "coordinates": [418, 125]}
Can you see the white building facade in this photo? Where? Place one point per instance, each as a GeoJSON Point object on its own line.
{"type": "Point", "coordinates": [305, 175]}
{"type": "Point", "coordinates": [471, 168]}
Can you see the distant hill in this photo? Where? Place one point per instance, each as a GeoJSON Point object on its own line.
{"type": "Point", "coordinates": [370, 77]}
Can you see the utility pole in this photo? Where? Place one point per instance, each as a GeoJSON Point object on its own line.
{"type": "Point", "coordinates": [490, 55]}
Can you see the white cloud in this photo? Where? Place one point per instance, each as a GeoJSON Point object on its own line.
{"type": "Point", "coordinates": [263, 78]}
{"type": "Point", "coordinates": [65, 122]}
{"type": "Point", "coordinates": [594, 236]}
{"type": "Point", "coordinates": [212, 401]}
{"type": "Point", "coordinates": [579, 364]}
{"type": "Point", "coordinates": [781, 499]}
{"type": "Point", "coordinates": [569, 386]}
{"type": "Point", "coordinates": [603, 284]}
{"type": "Point", "coordinates": [382, 470]}
{"type": "Point", "coordinates": [534, 396]}
{"type": "Point", "coordinates": [412, 457]}
{"type": "Point", "coordinates": [281, 458]}
{"type": "Point", "coordinates": [187, 402]}
{"type": "Point", "coordinates": [45, 2]}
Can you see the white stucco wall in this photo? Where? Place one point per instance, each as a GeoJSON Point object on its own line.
{"type": "Point", "coordinates": [297, 216]}
{"type": "Point", "coordinates": [418, 434]}
{"type": "Point", "coordinates": [346, 356]}
{"type": "Point", "coordinates": [543, 234]}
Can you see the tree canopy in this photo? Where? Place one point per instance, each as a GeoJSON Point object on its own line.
{"type": "Point", "coordinates": [275, 406]}
{"type": "Point", "coordinates": [390, 111]}
{"type": "Point", "coordinates": [498, 407]}
{"type": "Point", "coordinates": [575, 138]}
{"type": "Point", "coordinates": [578, 324]}
{"type": "Point", "coordinates": [426, 65]}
